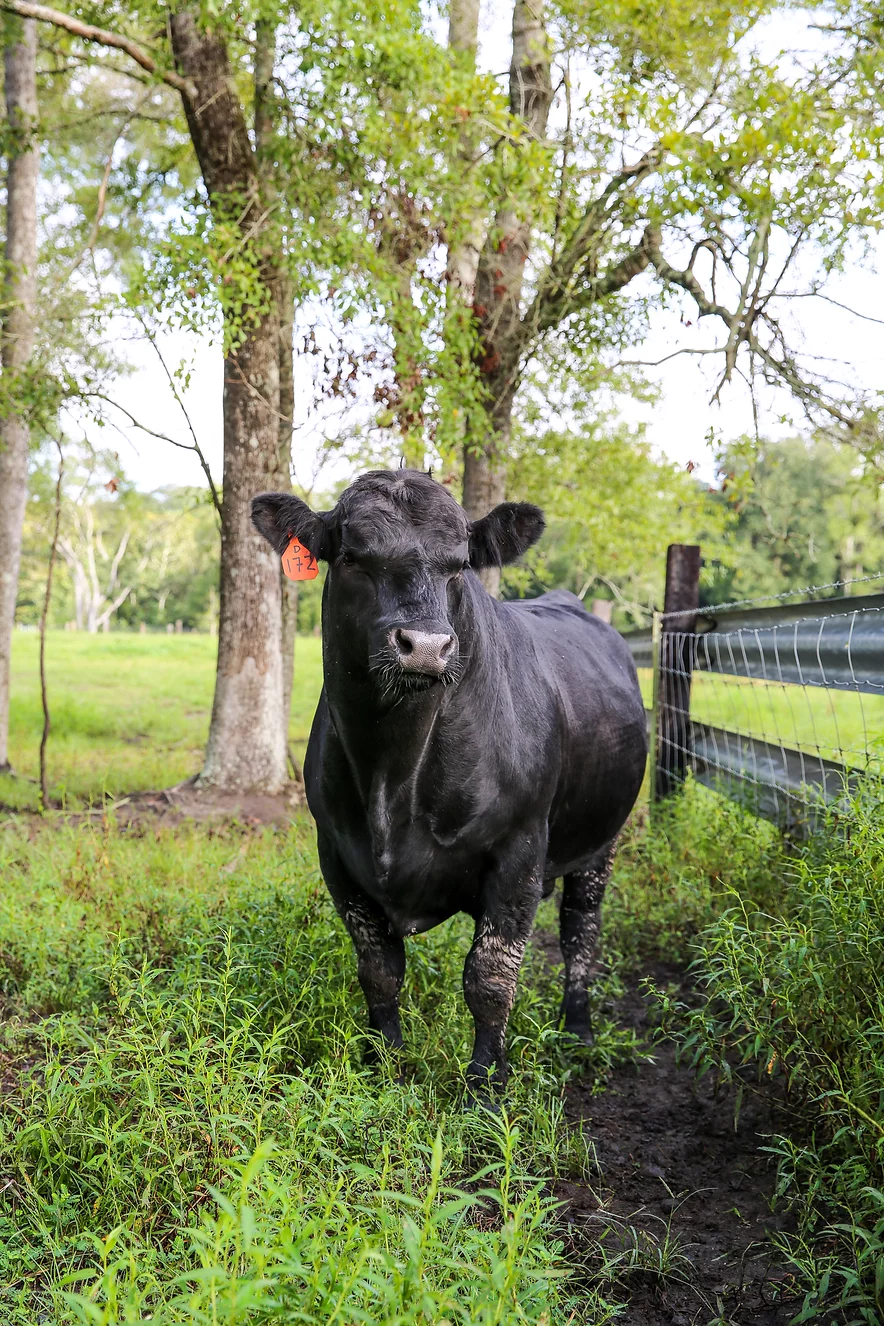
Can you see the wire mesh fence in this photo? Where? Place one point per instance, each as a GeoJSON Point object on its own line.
{"type": "Point", "coordinates": [777, 705]}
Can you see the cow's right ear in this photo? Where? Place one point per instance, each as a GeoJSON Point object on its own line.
{"type": "Point", "coordinates": [504, 534]}
{"type": "Point", "coordinates": [281, 517]}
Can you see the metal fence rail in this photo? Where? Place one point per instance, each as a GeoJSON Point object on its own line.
{"type": "Point", "coordinates": [779, 707]}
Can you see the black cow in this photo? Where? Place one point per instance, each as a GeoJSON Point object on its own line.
{"type": "Point", "coordinates": [465, 752]}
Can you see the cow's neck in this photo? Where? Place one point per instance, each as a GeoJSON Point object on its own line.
{"type": "Point", "coordinates": [385, 745]}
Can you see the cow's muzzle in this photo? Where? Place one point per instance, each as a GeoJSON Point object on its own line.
{"type": "Point", "coordinates": [423, 652]}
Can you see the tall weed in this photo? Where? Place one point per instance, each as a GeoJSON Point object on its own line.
{"type": "Point", "coordinates": [797, 990]}
{"type": "Point", "coordinates": [198, 1136]}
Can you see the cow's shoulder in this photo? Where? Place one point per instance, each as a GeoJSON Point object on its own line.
{"type": "Point", "coordinates": [554, 600]}
{"type": "Point", "coordinates": [571, 645]}
{"type": "Point", "coordinates": [558, 606]}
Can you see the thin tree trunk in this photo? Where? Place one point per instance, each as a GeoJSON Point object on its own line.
{"type": "Point", "coordinates": [265, 129]}
{"type": "Point", "coordinates": [246, 749]}
{"type": "Point", "coordinates": [410, 385]}
{"type": "Point", "coordinates": [44, 618]}
{"type": "Point", "coordinates": [465, 243]}
{"type": "Point", "coordinates": [19, 304]}
{"type": "Point", "coordinates": [500, 277]}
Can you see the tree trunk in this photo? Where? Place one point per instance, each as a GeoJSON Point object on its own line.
{"type": "Point", "coordinates": [463, 252]}
{"type": "Point", "coordinates": [410, 385]}
{"type": "Point", "coordinates": [265, 130]}
{"type": "Point", "coordinates": [246, 749]}
{"type": "Point", "coordinates": [20, 306]}
{"type": "Point", "coordinates": [500, 276]}
{"type": "Point", "coordinates": [288, 588]}
{"type": "Point", "coordinates": [463, 256]}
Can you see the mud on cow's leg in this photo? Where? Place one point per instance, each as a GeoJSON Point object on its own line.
{"type": "Point", "coordinates": [489, 980]}
{"type": "Point", "coordinates": [380, 967]}
{"type": "Point", "coordinates": [380, 953]}
{"type": "Point", "coordinates": [580, 922]}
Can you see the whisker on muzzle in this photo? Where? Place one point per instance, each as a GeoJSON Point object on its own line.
{"type": "Point", "coordinates": [396, 682]}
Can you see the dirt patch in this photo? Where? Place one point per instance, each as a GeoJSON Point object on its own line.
{"type": "Point", "coordinates": [171, 806]}
{"type": "Point", "coordinates": [683, 1197]}
{"type": "Point", "coordinates": [186, 801]}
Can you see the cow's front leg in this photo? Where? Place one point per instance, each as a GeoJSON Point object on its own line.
{"type": "Point", "coordinates": [490, 975]}
{"type": "Point", "coordinates": [380, 953]}
{"type": "Point", "coordinates": [580, 922]}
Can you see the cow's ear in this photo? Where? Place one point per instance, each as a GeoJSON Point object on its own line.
{"type": "Point", "coordinates": [505, 533]}
{"type": "Point", "coordinates": [281, 517]}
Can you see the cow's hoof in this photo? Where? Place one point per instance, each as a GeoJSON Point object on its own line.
{"type": "Point", "coordinates": [480, 1099]}
{"type": "Point", "coordinates": [580, 1031]}
{"type": "Point", "coordinates": [484, 1090]}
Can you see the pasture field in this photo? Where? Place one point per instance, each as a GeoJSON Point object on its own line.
{"type": "Point", "coordinates": [194, 1129]}
{"type": "Point", "coordinates": [840, 725]}
{"type": "Point", "coordinates": [129, 712]}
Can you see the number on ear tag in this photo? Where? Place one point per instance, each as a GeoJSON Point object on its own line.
{"type": "Point", "coordinates": [298, 563]}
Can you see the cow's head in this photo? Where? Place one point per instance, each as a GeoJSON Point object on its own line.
{"type": "Point", "coordinates": [398, 547]}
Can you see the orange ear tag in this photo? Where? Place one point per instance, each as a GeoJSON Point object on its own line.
{"type": "Point", "coordinates": [298, 563]}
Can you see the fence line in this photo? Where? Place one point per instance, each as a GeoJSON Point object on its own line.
{"type": "Point", "coordinates": [780, 707]}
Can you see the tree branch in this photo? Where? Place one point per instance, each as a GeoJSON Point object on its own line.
{"type": "Point", "coordinates": [555, 296]}
{"type": "Point", "coordinates": [162, 437]}
{"type": "Point", "coordinates": [706, 307]}
{"type": "Point", "coordinates": [216, 500]}
{"type": "Point", "coordinates": [783, 367]}
{"type": "Point", "coordinates": [112, 607]}
{"type": "Point", "coordinates": [43, 14]}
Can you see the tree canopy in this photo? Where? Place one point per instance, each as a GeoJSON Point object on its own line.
{"type": "Point", "coordinates": [462, 262]}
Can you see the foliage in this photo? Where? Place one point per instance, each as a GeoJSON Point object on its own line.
{"type": "Point", "coordinates": [110, 164]}
{"type": "Point", "coordinates": [168, 541]}
{"type": "Point", "coordinates": [612, 509]}
{"type": "Point", "coordinates": [796, 992]}
{"type": "Point", "coordinates": [804, 513]}
{"type": "Point", "coordinates": [387, 150]}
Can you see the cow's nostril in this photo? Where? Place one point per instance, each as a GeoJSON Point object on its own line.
{"type": "Point", "coordinates": [422, 651]}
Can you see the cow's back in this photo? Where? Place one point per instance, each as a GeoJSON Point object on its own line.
{"type": "Point", "coordinates": [602, 725]}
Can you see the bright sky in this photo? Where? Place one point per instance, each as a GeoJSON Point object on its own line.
{"type": "Point", "coordinates": [678, 426]}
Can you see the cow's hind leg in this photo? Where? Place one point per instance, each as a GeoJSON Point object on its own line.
{"type": "Point", "coordinates": [580, 921]}
{"type": "Point", "coordinates": [380, 953]}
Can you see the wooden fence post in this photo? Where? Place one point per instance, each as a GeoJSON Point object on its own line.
{"type": "Point", "coordinates": [674, 664]}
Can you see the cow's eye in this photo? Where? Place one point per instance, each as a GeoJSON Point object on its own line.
{"type": "Point", "coordinates": [347, 559]}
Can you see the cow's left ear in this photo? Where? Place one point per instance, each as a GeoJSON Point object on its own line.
{"type": "Point", "coordinates": [281, 517]}
{"type": "Point", "coordinates": [504, 534]}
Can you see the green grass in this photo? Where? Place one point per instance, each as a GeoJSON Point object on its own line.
{"type": "Point", "coordinates": [194, 1132]}
{"type": "Point", "coordinates": [129, 712]}
{"type": "Point", "coordinates": [840, 725]}
{"type": "Point", "coordinates": [792, 987]}
{"type": "Point", "coordinates": [200, 1137]}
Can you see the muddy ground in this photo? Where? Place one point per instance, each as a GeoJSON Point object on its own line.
{"type": "Point", "coordinates": [678, 1180]}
